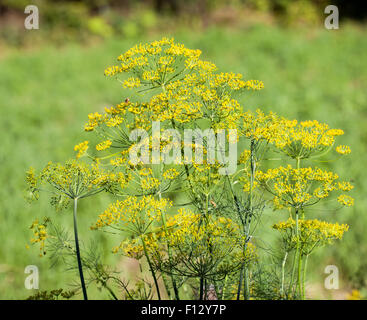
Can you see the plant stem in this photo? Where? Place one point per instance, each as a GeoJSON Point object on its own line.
{"type": "Point", "coordinates": [240, 284]}
{"type": "Point", "coordinates": [80, 267]}
{"type": "Point", "coordinates": [246, 292]}
{"type": "Point", "coordinates": [151, 268]}
{"type": "Point", "coordinates": [224, 290]}
{"type": "Point", "coordinates": [283, 269]}
{"type": "Point", "coordinates": [201, 291]}
{"type": "Point", "coordinates": [298, 254]}
{"type": "Point", "coordinates": [246, 284]}
{"type": "Point", "coordinates": [298, 242]}
{"type": "Point", "coordinates": [110, 291]}
{"type": "Point", "coordinates": [304, 278]}
{"type": "Point", "coordinates": [174, 284]}
{"type": "Point", "coordinates": [300, 274]}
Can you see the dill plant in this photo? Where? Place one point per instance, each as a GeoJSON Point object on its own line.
{"type": "Point", "coordinates": [204, 239]}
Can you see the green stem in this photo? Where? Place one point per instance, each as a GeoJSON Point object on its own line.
{"type": "Point", "coordinates": [247, 231]}
{"type": "Point", "coordinates": [201, 291]}
{"type": "Point", "coordinates": [240, 283]}
{"type": "Point", "coordinates": [299, 280]}
{"type": "Point", "coordinates": [224, 291]}
{"type": "Point", "coordinates": [298, 285]}
{"type": "Point", "coordinates": [110, 291]}
{"type": "Point", "coordinates": [304, 278]}
{"type": "Point", "coordinates": [283, 272]}
{"type": "Point", "coordinates": [174, 284]}
{"type": "Point", "coordinates": [166, 286]}
{"type": "Point", "coordinates": [80, 267]}
{"type": "Point", "coordinates": [293, 271]}
{"type": "Point", "coordinates": [151, 268]}
{"type": "Point", "coordinates": [246, 284]}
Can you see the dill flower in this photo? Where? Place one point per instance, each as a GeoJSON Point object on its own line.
{"type": "Point", "coordinates": [94, 120]}
{"type": "Point", "coordinates": [31, 179]}
{"type": "Point", "coordinates": [312, 234]}
{"type": "Point", "coordinates": [354, 295]}
{"type": "Point", "coordinates": [132, 83]}
{"type": "Point", "coordinates": [103, 145]}
{"type": "Point", "coordinates": [244, 156]}
{"type": "Point", "coordinates": [40, 234]}
{"type": "Point", "coordinates": [298, 140]}
{"type": "Point", "coordinates": [170, 174]}
{"type": "Point", "coordinates": [346, 200]}
{"type": "Point", "coordinates": [213, 247]}
{"type": "Point", "coordinates": [74, 179]}
{"type": "Point", "coordinates": [81, 148]}
{"type": "Point", "coordinates": [131, 248]}
{"type": "Point", "coordinates": [305, 139]}
{"type": "Point", "coordinates": [343, 150]}
{"type": "Point", "coordinates": [302, 187]}
{"type": "Point", "coordinates": [149, 183]}
{"type": "Point", "coordinates": [133, 215]}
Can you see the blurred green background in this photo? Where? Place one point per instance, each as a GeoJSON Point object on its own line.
{"type": "Point", "coordinates": [51, 78]}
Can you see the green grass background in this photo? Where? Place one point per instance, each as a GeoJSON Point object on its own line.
{"type": "Point", "coordinates": [46, 94]}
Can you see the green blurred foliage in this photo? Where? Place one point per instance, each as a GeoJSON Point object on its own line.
{"type": "Point", "coordinates": [63, 20]}
{"type": "Point", "coordinates": [98, 26]}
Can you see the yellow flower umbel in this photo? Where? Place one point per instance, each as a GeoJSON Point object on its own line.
{"type": "Point", "coordinates": [305, 139]}
{"type": "Point", "coordinates": [71, 182]}
{"type": "Point", "coordinates": [75, 179]}
{"type": "Point", "coordinates": [297, 140]}
{"type": "Point", "coordinates": [103, 145]}
{"type": "Point", "coordinates": [343, 150]}
{"type": "Point", "coordinates": [212, 246]}
{"type": "Point", "coordinates": [40, 234]}
{"type": "Point", "coordinates": [186, 91]}
{"type": "Point", "coordinates": [133, 215]}
{"type": "Point", "coordinates": [354, 295]}
{"type": "Point", "coordinates": [81, 148]}
{"type": "Point", "coordinates": [312, 234]}
{"type": "Point", "coordinates": [302, 187]}
{"type": "Point", "coordinates": [304, 236]}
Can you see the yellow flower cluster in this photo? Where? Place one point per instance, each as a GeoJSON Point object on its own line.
{"type": "Point", "coordinates": [156, 61]}
{"type": "Point", "coordinates": [133, 214]}
{"type": "Point", "coordinates": [186, 89]}
{"type": "Point", "coordinates": [170, 174]}
{"type": "Point", "coordinates": [76, 179]}
{"type": "Point", "coordinates": [297, 140]}
{"type": "Point", "coordinates": [94, 119]}
{"type": "Point", "coordinates": [306, 139]}
{"type": "Point", "coordinates": [343, 150]}
{"type": "Point", "coordinates": [312, 233]}
{"type": "Point", "coordinates": [131, 248]}
{"type": "Point", "coordinates": [40, 234]}
{"type": "Point", "coordinates": [346, 200]}
{"type": "Point", "coordinates": [149, 183]}
{"type": "Point", "coordinates": [81, 148]}
{"type": "Point", "coordinates": [31, 180]}
{"type": "Point", "coordinates": [354, 295]}
{"type": "Point", "coordinates": [301, 187]}
{"type": "Point", "coordinates": [206, 241]}
{"type": "Point", "coordinates": [103, 145]}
